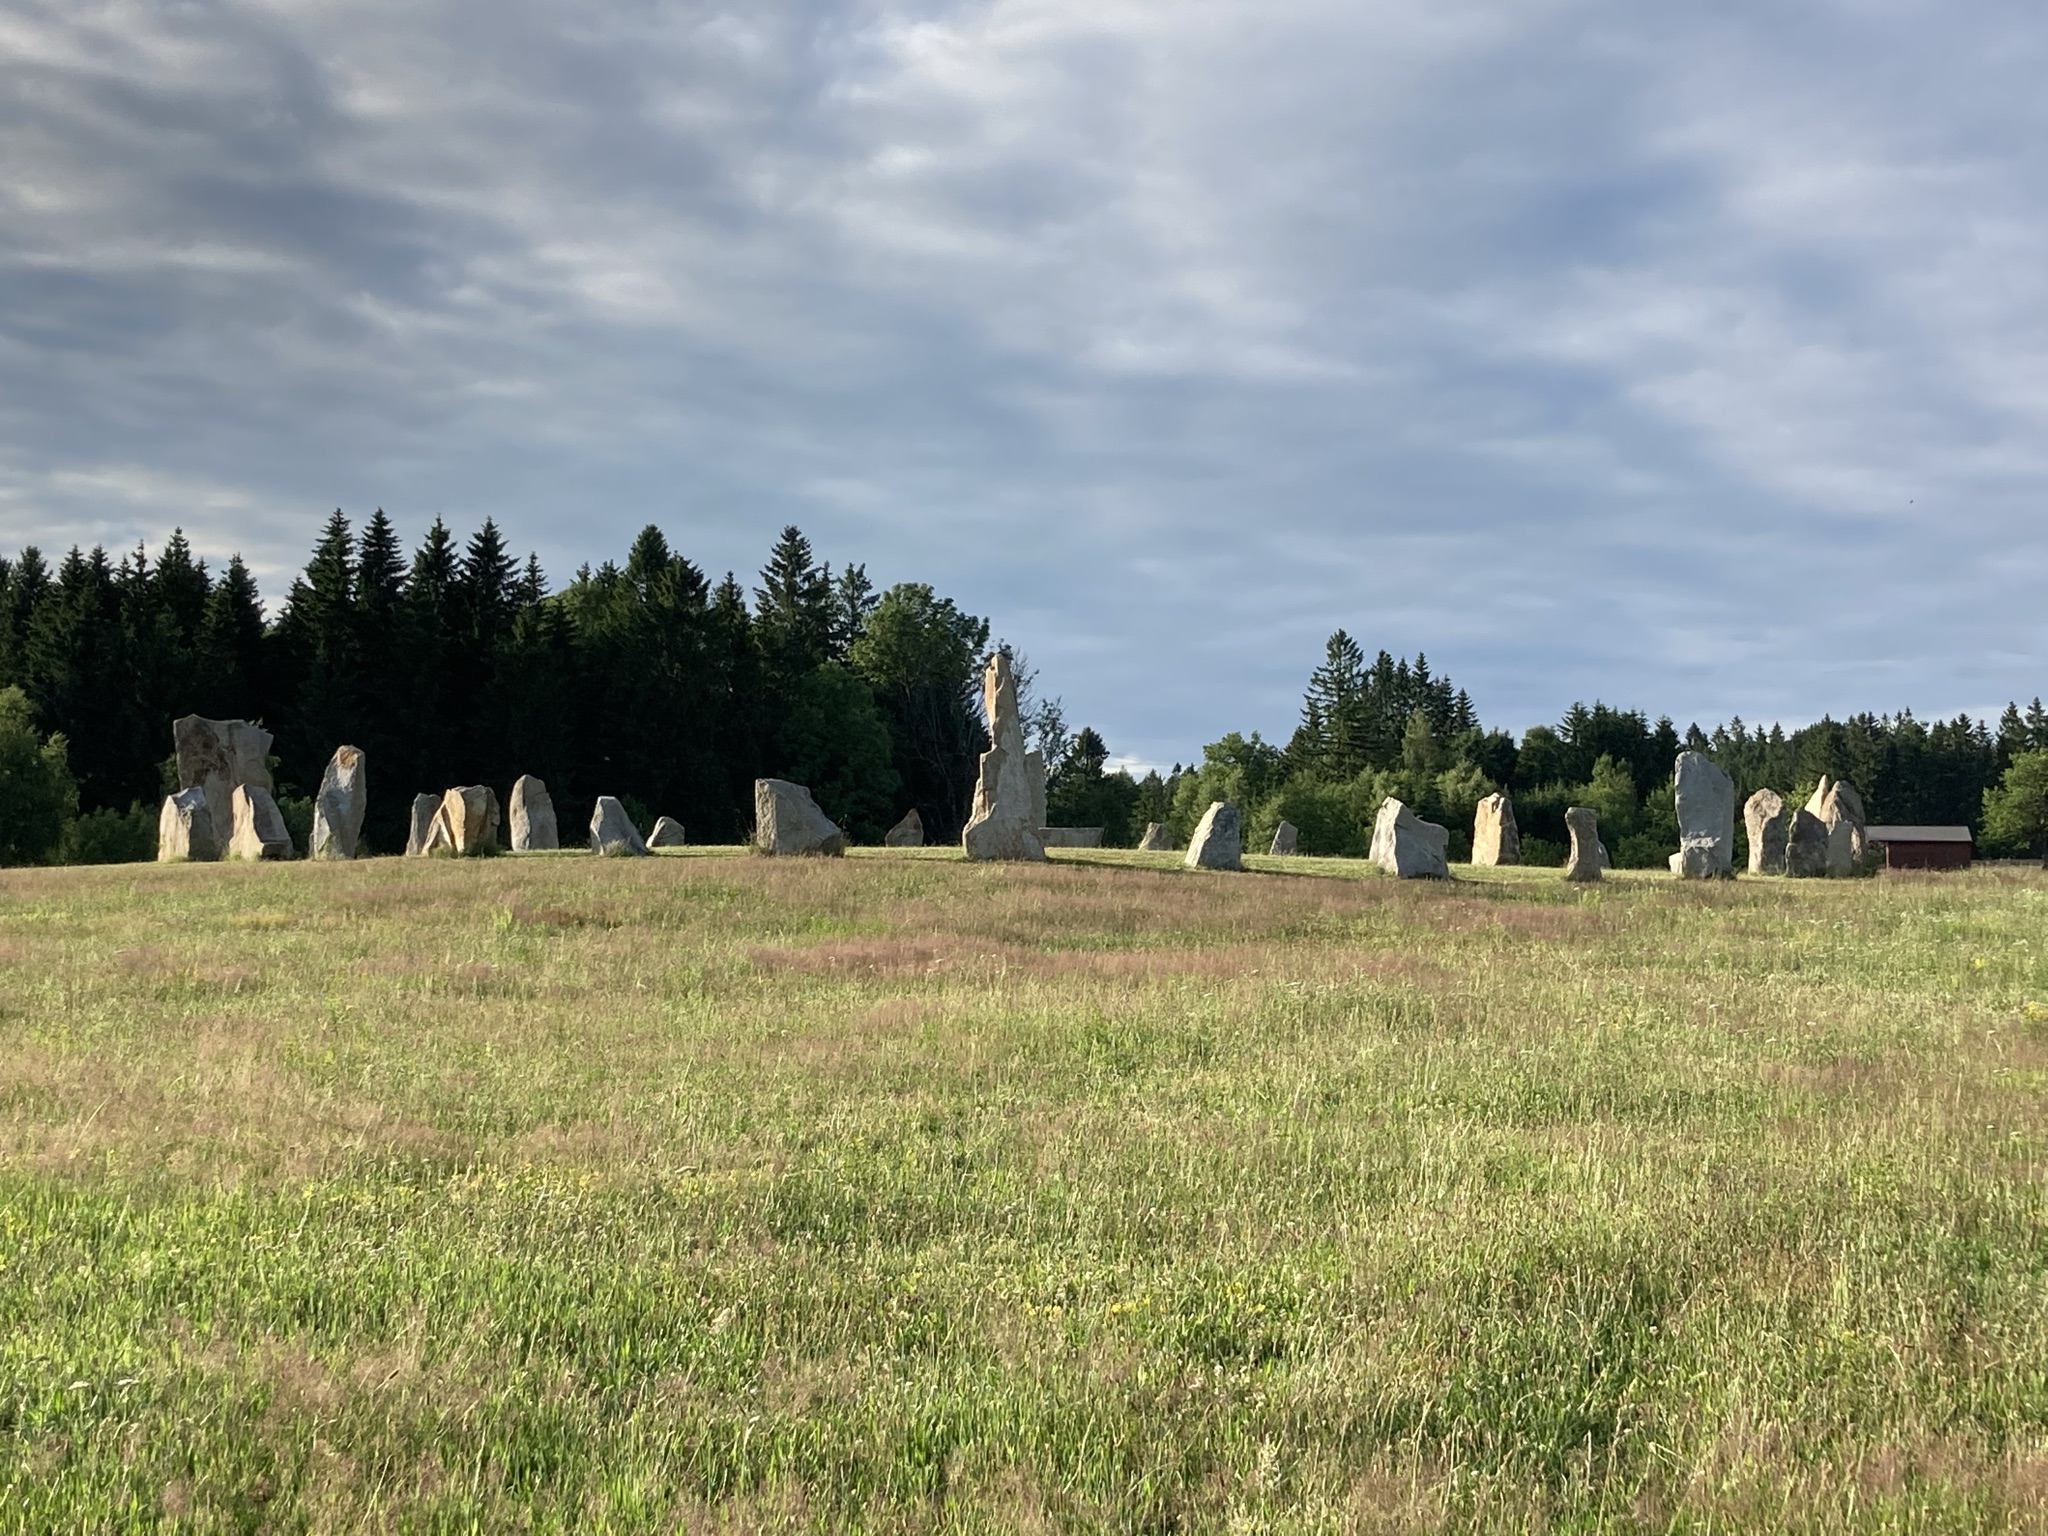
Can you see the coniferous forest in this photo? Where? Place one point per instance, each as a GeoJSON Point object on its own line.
{"type": "Point", "coordinates": [646, 680]}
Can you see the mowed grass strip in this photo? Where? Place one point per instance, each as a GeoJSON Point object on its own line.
{"type": "Point", "coordinates": [894, 1193]}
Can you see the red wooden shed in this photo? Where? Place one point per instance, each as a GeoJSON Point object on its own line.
{"type": "Point", "coordinates": [1922, 847]}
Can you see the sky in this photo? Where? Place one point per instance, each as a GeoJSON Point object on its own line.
{"type": "Point", "coordinates": [1693, 357]}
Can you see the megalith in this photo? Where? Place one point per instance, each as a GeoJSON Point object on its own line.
{"type": "Point", "coordinates": [532, 816]}
{"type": "Point", "coordinates": [1404, 844]}
{"type": "Point", "coordinates": [467, 823]}
{"type": "Point", "coordinates": [787, 821]}
{"type": "Point", "coordinates": [1840, 810]}
{"type": "Point", "coordinates": [419, 839]}
{"type": "Point", "coordinates": [1008, 799]}
{"type": "Point", "coordinates": [612, 833]}
{"type": "Point", "coordinates": [907, 833]}
{"type": "Point", "coordinates": [184, 828]}
{"type": "Point", "coordinates": [1763, 817]}
{"type": "Point", "coordinates": [667, 832]}
{"type": "Point", "coordinates": [1218, 842]}
{"type": "Point", "coordinates": [1286, 837]}
{"type": "Point", "coordinates": [338, 808]}
{"type": "Point", "coordinates": [1157, 838]}
{"type": "Point", "coordinates": [259, 826]}
{"type": "Point", "coordinates": [1806, 846]}
{"type": "Point", "coordinates": [1706, 819]}
{"type": "Point", "coordinates": [1587, 857]}
{"type": "Point", "coordinates": [217, 755]}
{"type": "Point", "coordinates": [1495, 837]}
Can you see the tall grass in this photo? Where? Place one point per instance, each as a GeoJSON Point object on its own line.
{"type": "Point", "coordinates": [898, 1194]}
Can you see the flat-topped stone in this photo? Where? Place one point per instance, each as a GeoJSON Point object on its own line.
{"type": "Point", "coordinates": [1495, 837]}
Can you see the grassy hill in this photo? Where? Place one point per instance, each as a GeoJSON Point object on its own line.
{"type": "Point", "coordinates": [898, 1194]}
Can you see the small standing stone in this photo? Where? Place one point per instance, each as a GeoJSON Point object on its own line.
{"type": "Point", "coordinates": [259, 826]}
{"type": "Point", "coordinates": [612, 833]}
{"type": "Point", "coordinates": [1588, 858]}
{"type": "Point", "coordinates": [1806, 846]}
{"type": "Point", "coordinates": [533, 817]}
{"type": "Point", "coordinates": [1495, 837]}
{"type": "Point", "coordinates": [667, 833]}
{"type": "Point", "coordinates": [907, 833]}
{"type": "Point", "coordinates": [1285, 837]}
{"type": "Point", "coordinates": [338, 808]}
{"type": "Point", "coordinates": [1404, 844]}
{"type": "Point", "coordinates": [787, 821]}
{"type": "Point", "coordinates": [1157, 838]}
{"type": "Point", "coordinates": [1763, 816]}
{"type": "Point", "coordinates": [184, 828]}
{"type": "Point", "coordinates": [426, 813]}
{"type": "Point", "coordinates": [1218, 842]}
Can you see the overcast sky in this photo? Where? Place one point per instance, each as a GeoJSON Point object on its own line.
{"type": "Point", "coordinates": [1691, 356]}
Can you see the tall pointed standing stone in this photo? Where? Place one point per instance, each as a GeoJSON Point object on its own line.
{"type": "Point", "coordinates": [1006, 816]}
{"type": "Point", "coordinates": [533, 817]}
{"type": "Point", "coordinates": [1495, 837]}
{"type": "Point", "coordinates": [338, 808]}
{"type": "Point", "coordinates": [1763, 817]}
{"type": "Point", "coordinates": [426, 809]}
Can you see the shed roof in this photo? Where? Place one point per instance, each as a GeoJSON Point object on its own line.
{"type": "Point", "coordinates": [1917, 834]}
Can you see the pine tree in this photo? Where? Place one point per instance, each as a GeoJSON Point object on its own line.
{"type": "Point", "coordinates": [793, 609]}
{"type": "Point", "coordinates": [853, 599]}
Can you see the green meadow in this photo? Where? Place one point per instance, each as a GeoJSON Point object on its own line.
{"type": "Point", "coordinates": [709, 1192]}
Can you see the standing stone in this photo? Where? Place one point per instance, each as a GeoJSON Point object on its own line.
{"type": "Point", "coordinates": [612, 833]}
{"type": "Point", "coordinates": [1495, 837]}
{"type": "Point", "coordinates": [1763, 815]}
{"type": "Point", "coordinates": [184, 828]}
{"type": "Point", "coordinates": [1588, 858]}
{"type": "Point", "coordinates": [426, 812]}
{"type": "Point", "coordinates": [217, 755]}
{"type": "Point", "coordinates": [338, 808]}
{"type": "Point", "coordinates": [1404, 844]}
{"type": "Point", "coordinates": [1840, 810]}
{"type": "Point", "coordinates": [1218, 842]}
{"type": "Point", "coordinates": [467, 823]}
{"type": "Point", "coordinates": [1706, 819]}
{"type": "Point", "coordinates": [1285, 837]}
{"type": "Point", "coordinates": [1806, 846]}
{"type": "Point", "coordinates": [787, 821]}
{"type": "Point", "coordinates": [533, 817]}
{"type": "Point", "coordinates": [259, 826]}
{"type": "Point", "coordinates": [907, 833]}
{"type": "Point", "coordinates": [1007, 798]}
{"type": "Point", "coordinates": [667, 833]}
{"type": "Point", "coordinates": [1157, 838]}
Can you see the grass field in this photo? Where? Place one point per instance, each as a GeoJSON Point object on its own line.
{"type": "Point", "coordinates": [894, 1193]}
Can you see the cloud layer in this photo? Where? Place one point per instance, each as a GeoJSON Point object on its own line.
{"type": "Point", "coordinates": [1693, 357]}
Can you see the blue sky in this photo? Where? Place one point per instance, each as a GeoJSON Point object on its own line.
{"type": "Point", "coordinates": [1691, 356]}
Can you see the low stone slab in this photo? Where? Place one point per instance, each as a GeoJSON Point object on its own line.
{"type": "Point", "coordinates": [1218, 842]}
{"type": "Point", "coordinates": [787, 822]}
{"type": "Point", "coordinates": [532, 816]}
{"type": "Point", "coordinates": [1156, 839]}
{"type": "Point", "coordinates": [612, 833]}
{"type": "Point", "coordinates": [259, 826]}
{"type": "Point", "coordinates": [338, 808]}
{"type": "Point", "coordinates": [1763, 817]}
{"type": "Point", "coordinates": [1495, 837]}
{"type": "Point", "coordinates": [1405, 845]}
{"type": "Point", "coordinates": [1070, 837]}
{"type": "Point", "coordinates": [907, 833]}
{"type": "Point", "coordinates": [667, 833]}
{"type": "Point", "coordinates": [1588, 857]}
{"type": "Point", "coordinates": [184, 828]}
{"type": "Point", "coordinates": [426, 812]}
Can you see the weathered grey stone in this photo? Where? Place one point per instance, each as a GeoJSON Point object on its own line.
{"type": "Point", "coordinates": [216, 755]}
{"type": "Point", "coordinates": [1285, 838]}
{"type": "Point", "coordinates": [1404, 844]}
{"type": "Point", "coordinates": [1706, 818]}
{"type": "Point", "coordinates": [1007, 795]}
{"type": "Point", "coordinates": [426, 812]}
{"type": "Point", "coordinates": [1070, 837]}
{"type": "Point", "coordinates": [259, 826]}
{"type": "Point", "coordinates": [338, 808]}
{"type": "Point", "coordinates": [1840, 809]}
{"type": "Point", "coordinates": [1588, 856]}
{"type": "Point", "coordinates": [1157, 838]}
{"type": "Point", "coordinates": [907, 833]}
{"type": "Point", "coordinates": [184, 828]}
{"type": "Point", "coordinates": [612, 833]}
{"type": "Point", "coordinates": [1806, 846]}
{"type": "Point", "coordinates": [532, 817]}
{"type": "Point", "coordinates": [1495, 837]}
{"type": "Point", "coordinates": [467, 823]}
{"type": "Point", "coordinates": [667, 833]}
{"type": "Point", "coordinates": [1763, 817]}
{"type": "Point", "coordinates": [787, 821]}
{"type": "Point", "coordinates": [1218, 842]}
